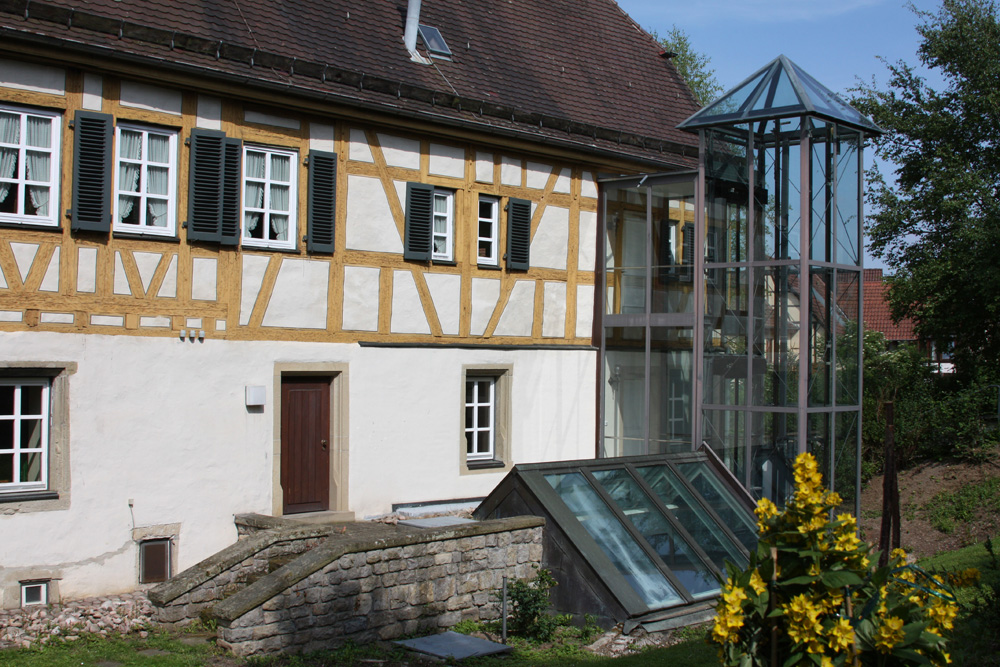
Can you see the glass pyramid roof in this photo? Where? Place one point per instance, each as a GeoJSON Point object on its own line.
{"type": "Point", "coordinates": [778, 90]}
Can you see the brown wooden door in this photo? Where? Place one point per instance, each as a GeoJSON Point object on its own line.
{"type": "Point", "coordinates": [305, 446]}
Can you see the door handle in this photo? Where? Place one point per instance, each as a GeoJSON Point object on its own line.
{"type": "Point", "coordinates": [322, 444]}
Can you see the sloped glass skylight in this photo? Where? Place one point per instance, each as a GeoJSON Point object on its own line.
{"type": "Point", "coordinates": [779, 89]}
{"type": "Point", "coordinates": [657, 530]}
{"type": "Point", "coordinates": [434, 41]}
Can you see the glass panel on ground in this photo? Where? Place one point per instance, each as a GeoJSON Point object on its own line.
{"type": "Point", "coordinates": [681, 503]}
{"type": "Point", "coordinates": [625, 216]}
{"type": "Point", "coordinates": [614, 540]}
{"type": "Point", "coordinates": [670, 389]}
{"type": "Point", "coordinates": [773, 448]}
{"type": "Point", "coordinates": [624, 391]}
{"type": "Point", "coordinates": [668, 543]}
{"type": "Point", "coordinates": [725, 433]}
{"type": "Point", "coordinates": [720, 499]}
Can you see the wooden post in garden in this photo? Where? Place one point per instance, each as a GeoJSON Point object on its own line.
{"type": "Point", "coordinates": [889, 536]}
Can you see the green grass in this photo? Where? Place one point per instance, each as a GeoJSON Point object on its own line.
{"type": "Point", "coordinates": [91, 650]}
{"type": "Point", "coordinates": [976, 639]}
{"type": "Point", "coordinates": [949, 508]}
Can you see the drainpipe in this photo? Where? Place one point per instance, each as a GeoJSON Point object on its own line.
{"type": "Point", "coordinates": [410, 33]}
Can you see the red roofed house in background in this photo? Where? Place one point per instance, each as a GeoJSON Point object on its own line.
{"type": "Point", "coordinates": [878, 316]}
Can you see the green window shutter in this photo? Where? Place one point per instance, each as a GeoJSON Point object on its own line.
{"type": "Point", "coordinates": [518, 234]}
{"type": "Point", "coordinates": [206, 191]}
{"type": "Point", "coordinates": [232, 159]}
{"type": "Point", "coordinates": [419, 221]}
{"type": "Point", "coordinates": [322, 201]}
{"type": "Point", "coordinates": [91, 172]}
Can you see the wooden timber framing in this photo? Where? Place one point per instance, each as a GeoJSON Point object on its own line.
{"type": "Point", "coordinates": [57, 280]}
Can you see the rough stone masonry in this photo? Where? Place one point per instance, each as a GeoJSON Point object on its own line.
{"type": "Point", "coordinates": [411, 582]}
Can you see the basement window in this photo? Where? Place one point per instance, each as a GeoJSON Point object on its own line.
{"type": "Point", "coordinates": [434, 42]}
{"type": "Point", "coordinates": [34, 593]}
{"type": "Point", "coordinates": [154, 561]}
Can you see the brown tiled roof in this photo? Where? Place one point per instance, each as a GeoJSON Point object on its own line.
{"type": "Point", "coordinates": [578, 72]}
{"type": "Point", "coordinates": [877, 314]}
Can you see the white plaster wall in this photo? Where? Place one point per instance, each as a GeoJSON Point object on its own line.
{"type": "Point", "coordinates": [370, 225]}
{"type": "Point", "coordinates": [153, 98]}
{"type": "Point", "coordinates": [191, 453]}
{"type": "Point", "coordinates": [29, 76]}
{"type": "Point", "coordinates": [548, 245]}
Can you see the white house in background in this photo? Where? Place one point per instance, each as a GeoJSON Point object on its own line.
{"type": "Point", "coordinates": [283, 260]}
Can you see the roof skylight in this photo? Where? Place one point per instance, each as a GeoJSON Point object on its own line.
{"type": "Point", "coordinates": [434, 41]}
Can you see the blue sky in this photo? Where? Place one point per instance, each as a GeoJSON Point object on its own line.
{"type": "Point", "coordinates": [837, 41]}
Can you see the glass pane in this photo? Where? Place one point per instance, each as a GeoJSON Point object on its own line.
{"type": "Point", "coordinates": [670, 389]}
{"type": "Point", "coordinates": [470, 388]}
{"type": "Point", "coordinates": [159, 149]}
{"type": "Point", "coordinates": [722, 502]}
{"type": "Point", "coordinates": [780, 93]}
{"type": "Point", "coordinates": [821, 314]}
{"type": "Point", "coordinates": [130, 145]}
{"type": "Point", "coordinates": [280, 170]}
{"type": "Point", "coordinates": [483, 438]}
{"type": "Point", "coordinates": [626, 251]}
{"type": "Point", "coordinates": [31, 400]}
{"type": "Point", "coordinates": [6, 468]}
{"type": "Point", "coordinates": [673, 247]}
{"type": "Point", "coordinates": [845, 464]}
{"type": "Point", "coordinates": [777, 192]}
{"type": "Point", "coordinates": [31, 467]}
{"type": "Point", "coordinates": [470, 417]}
{"type": "Point", "coordinates": [484, 416]}
{"type": "Point", "coordinates": [818, 443]}
{"type": "Point", "coordinates": [486, 209]}
{"type": "Point", "coordinates": [159, 179]}
{"type": "Point", "coordinates": [251, 225]}
{"type": "Point", "coordinates": [658, 532]}
{"type": "Point", "coordinates": [614, 540]}
{"type": "Point", "coordinates": [847, 327]}
{"type": "Point", "coordinates": [469, 442]}
{"type": "Point", "coordinates": [725, 433]}
{"type": "Point", "coordinates": [733, 102]}
{"type": "Point", "coordinates": [31, 433]}
{"type": "Point", "coordinates": [726, 336]}
{"type": "Point", "coordinates": [10, 128]}
{"type": "Point", "coordinates": [773, 448]}
{"type": "Point", "coordinates": [727, 199]}
{"type": "Point", "coordinates": [6, 434]}
{"type": "Point", "coordinates": [129, 210]}
{"type": "Point", "coordinates": [256, 165]}
{"type": "Point", "coordinates": [848, 198]}
{"type": "Point", "coordinates": [625, 391]}
{"type": "Point", "coordinates": [706, 533]}
{"type": "Point", "coordinates": [6, 400]}
{"type": "Point", "coordinates": [821, 249]}
{"type": "Point", "coordinates": [440, 204]}
{"type": "Point", "coordinates": [775, 360]}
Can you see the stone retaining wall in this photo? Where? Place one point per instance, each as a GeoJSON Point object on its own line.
{"type": "Point", "coordinates": [380, 589]}
{"type": "Point", "coordinates": [101, 616]}
{"type": "Point", "coordinates": [183, 599]}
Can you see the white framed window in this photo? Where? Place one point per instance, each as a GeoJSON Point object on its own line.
{"type": "Point", "coordinates": [145, 180]}
{"type": "Point", "coordinates": [34, 593]}
{"type": "Point", "coordinates": [443, 236]}
{"type": "Point", "coordinates": [488, 230]}
{"type": "Point", "coordinates": [24, 434]}
{"type": "Point", "coordinates": [480, 417]}
{"type": "Point", "coordinates": [269, 197]}
{"type": "Point", "coordinates": [29, 166]}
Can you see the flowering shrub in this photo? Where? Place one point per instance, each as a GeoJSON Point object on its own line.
{"type": "Point", "coordinates": [811, 595]}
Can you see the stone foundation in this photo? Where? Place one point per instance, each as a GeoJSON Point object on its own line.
{"type": "Point", "coordinates": [418, 581]}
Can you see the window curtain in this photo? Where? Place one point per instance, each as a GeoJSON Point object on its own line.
{"type": "Point", "coordinates": [129, 148]}
{"type": "Point", "coordinates": [10, 133]}
{"type": "Point", "coordinates": [157, 180]}
{"type": "Point", "coordinates": [280, 171]}
{"type": "Point", "coordinates": [255, 166]}
{"type": "Point", "coordinates": [38, 164]}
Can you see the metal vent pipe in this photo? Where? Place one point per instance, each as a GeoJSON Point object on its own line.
{"type": "Point", "coordinates": [410, 33]}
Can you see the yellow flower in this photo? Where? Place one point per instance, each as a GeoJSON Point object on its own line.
{"type": "Point", "coordinates": [756, 583]}
{"type": "Point", "coordinates": [841, 635]}
{"type": "Point", "coordinates": [942, 614]}
{"type": "Point", "coordinates": [814, 570]}
{"type": "Point", "coordinates": [766, 509]}
{"type": "Point", "coordinates": [890, 633]}
{"type": "Point", "coordinates": [897, 554]}
{"type": "Point", "coordinates": [825, 662]}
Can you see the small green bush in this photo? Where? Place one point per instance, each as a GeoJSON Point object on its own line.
{"type": "Point", "coordinates": [528, 606]}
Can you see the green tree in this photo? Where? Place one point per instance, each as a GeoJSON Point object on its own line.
{"type": "Point", "coordinates": [937, 221]}
{"type": "Point", "coordinates": [693, 66]}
